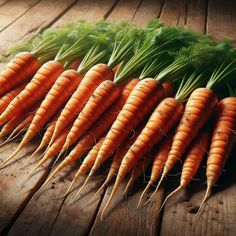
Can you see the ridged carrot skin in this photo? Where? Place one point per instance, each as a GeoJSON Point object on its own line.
{"type": "Point", "coordinates": [222, 142]}
{"type": "Point", "coordinates": [103, 97]}
{"type": "Point", "coordinates": [54, 149]}
{"type": "Point", "coordinates": [223, 139]}
{"type": "Point", "coordinates": [160, 158]}
{"type": "Point", "coordinates": [141, 101]}
{"type": "Point", "coordinates": [48, 133]}
{"type": "Point", "coordinates": [20, 120]}
{"type": "Point", "coordinates": [8, 97]}
{"type": "Point", "coordinates": [138, 170]}
{"type": "Point", "coordinates": [34, 91]}
{"type": "Point", "coordinates": [92, 79]}
{"type": "Point", "coordinates": [116, 160]}
{"type": "Point", "coordinates": [60, 92]}
{"type": "Point", "coordinates": [194, 156]}
{"type": "Point", "coordinates": [18, 70]}
{"type": "Point", "coordinates": [163, 119]}
{"type": "Point", "coordinates": [98, 130]}
{"type": "Point", "coordinates": [200, 106]}
{"type": "Point", "coordinates": [86, 164]}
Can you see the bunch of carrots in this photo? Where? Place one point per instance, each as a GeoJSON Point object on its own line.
{"type": "Point", "coordinates": [140, 97]}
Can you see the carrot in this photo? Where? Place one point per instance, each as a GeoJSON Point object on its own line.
{"type": "Point", "coordinates": [18, 70]}
{"type": "Point", "coordinates": [61, 90]}
{"type": "Point", "coordinates": [162, 120]}
{"type": "Point", "coordinates": [45, 139]}
{"type": "Point", "coordinates": [32, 93]}
{"type": "Point", "coordinates": [193, 158]}
{"type": "Point", "coordinates": [102, 98]}
{"type": "Point", "coordinates": [19, 120]}
{"type": "Point", "coordinates": [222, 142]}
{"type": "Point", "coordinates": [95, 76]}
{"type": "Point", "coordinates": [99, 129]}
{"type": "Point", "coordinates": [8, 97]}
{"type": "Point", "coordinates": [145, 95]}
{"type": "Point", "coordinates": [138, 169]}
{"type": "Point", "coordinates": [158, 163]}
{"type": "Point", "coordinates": [85, 166]}
{"type": "Point", "coordinates": [116, 160]}
{"type": "Point", "coordinates": [199, 108]}
{"type": "Point", "coordinates": [53, 150]}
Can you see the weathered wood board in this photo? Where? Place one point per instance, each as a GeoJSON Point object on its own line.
{"type": "Point", "coordinates": [42, 214]}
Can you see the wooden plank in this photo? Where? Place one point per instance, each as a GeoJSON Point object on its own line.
{"type": "Point", "coordinates": [221, 21]}
{"type": "Point", "coordinates": [128, 220]}
{"type": "Point", "coordinates": [218, 215]}
{"type": "Point", "coordinates": [2, 2]}
{"type": "Point", "coordinates": [179, 210]}
{"type": "Point", "coordinates": [196, 15]}
{"type": "Point", "coordinates": [12, 10]}
{"type": "Point", "coordinates": [148, 10]}
{"type": "Point", "coordinates": [11, 178]}
{"type": "Point", "coordinates": [125, 10]}
{"type": "Point", "coordinates": [91, 11]}
{"type": "Point", "coordinates": [174, 11]}
{"type": "Point", "coordinates": [41, 16]}
{"type": "Point", "coordinates": [44, 215]}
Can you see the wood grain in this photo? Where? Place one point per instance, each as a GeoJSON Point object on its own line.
{"type": "Point", "coordinates": [148, 10]}
{"type": "Point", "coordinates": [91, 11]}
{"type": "Point", "coordinates": [174, 12]}
{"type": "Point", "coordinates": [221, 21]}
{"type": "Point", "coordinates": [33, 21]}
{"type": "Point", "coordinates": [60, 220]}
{"type": "Point", "coordinates": [125, 10]}
{"type": "Point", "coordinates": [11, 178]}
{"type": "Point", "coordinates": [128, 220]}
{"type": "Point", "coordinates": [13, 10]}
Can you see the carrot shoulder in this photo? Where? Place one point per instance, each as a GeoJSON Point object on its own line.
{"type": "Point", "coordinates": [95, 76]}
{"type": "Point", "coordinates": [102, 98]}
{"type": "Point", "coordinates": [34, 91]}
{"type": "Point", "coordinates": [18, 70]}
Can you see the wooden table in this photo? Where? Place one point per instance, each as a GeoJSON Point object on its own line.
{"type": "Point", "coordinates": [23, 214]}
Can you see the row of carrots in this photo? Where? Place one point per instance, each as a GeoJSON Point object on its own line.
{"type": "Point", "coordinates": [114, 91]}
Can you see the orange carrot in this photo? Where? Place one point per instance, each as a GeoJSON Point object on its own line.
{"type": "Point", "coordinates": [33, 92]}
{"type": "Point", "coordinates": [222, 142]}
{"type": "Point", "coordinates": [158, 163]}
{"type": "Point", "coordinates": [116, 160]}
{"type": "Point", "coordinates": [95, 76]}
{"type": "Point", "coordinates": [138, 169]}
{"type": "Point", "coordinates": [86, 165]}
{"type": "Point", "coordinates": [162, 120]}
{"type": "Point", "coordinates": [19, 120]}
{"type": "Point", "coordinates": [61, 90]}
{"type": "Point", "coordinates": [99, 128]}
{"type": "Point", "coordinates": [201, 101]}
{"type": "Point", "coordinates": [8, 97]}
{"type": "Point", "coordinates": [103, 97]}
{"type": "Point", "coordinates": [47, 135]}
{"type": "Point", "coordinates": [18, 70]}
{"type": "Point", "coordinates": [145, 95]}
{"type": "Point", "coordinates": [54, 149]}
{"type": "Point", "coordinates": [193, 158]}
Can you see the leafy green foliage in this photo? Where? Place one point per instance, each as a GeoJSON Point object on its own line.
{"type": "Point", "coordinates": [157, 41]}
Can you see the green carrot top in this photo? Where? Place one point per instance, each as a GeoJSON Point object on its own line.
{"type": "Point", "coordinates": [157, 41]}
{"type": "Point", "coordinates": [103, 41]}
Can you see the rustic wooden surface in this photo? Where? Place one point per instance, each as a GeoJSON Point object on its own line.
{"type": "Point", "coordinates": [24, 214]}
